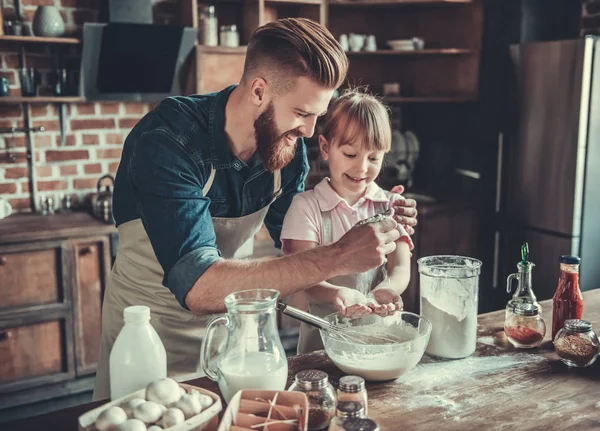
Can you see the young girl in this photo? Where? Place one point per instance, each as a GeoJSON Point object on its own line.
{"type": "Point", "coordinates": [356, 136]}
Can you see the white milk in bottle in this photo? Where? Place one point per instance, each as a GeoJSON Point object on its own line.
{"type": "Point", "coordinates": [138, 357]}
{"type": "Point", "coordinates": [253, 370]}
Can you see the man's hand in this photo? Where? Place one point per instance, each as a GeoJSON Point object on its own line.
{"type": "Point", "coordinates": [351, 303]}
{"type": "Point", "coordinates": [384, 300]}
{"type": "Point", "coordinates": [405, 210]}
{"type": "Point", "coordinates": [366, 247]}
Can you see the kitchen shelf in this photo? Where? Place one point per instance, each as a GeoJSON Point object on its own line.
{"type": "Point", "coordinates": [305, 2]}
{"type": "Point", "coordinates": [432, 99]}
{"type": "Point", "coordinates": [20, 40]}
{"type": "Point", "coordinates": [442, 51]}
{"type": "Point", "coordinates": [395, 2]}
{"type": "Point", "coordinates": [221, 49]}
{"type": "Point", "coordinates": [14, 100]}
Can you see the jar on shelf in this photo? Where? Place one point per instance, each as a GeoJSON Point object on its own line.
{"type": "Point", "coordinates": [576, 343]}
{"type": "Point", "coordinates": [230, 37]}
{"type": "Point", "coordinates": [346, 410]}
{"type": "Point", "coordinates": [321, 397]}
{"type": "Point", "coordinates": [209, 27]}
{"type": "Point", "coordinates": [523, 325]}
{"type": "Point", "coordinates": [352, 388]}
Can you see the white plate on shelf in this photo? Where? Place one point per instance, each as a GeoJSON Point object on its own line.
{"type": "Point", "coordinates": [402, 44]}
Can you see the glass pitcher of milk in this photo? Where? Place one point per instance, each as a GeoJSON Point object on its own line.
{"type": "Point", "coordinates": [253, 356]}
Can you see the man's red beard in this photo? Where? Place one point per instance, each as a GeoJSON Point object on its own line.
{"type": "Point", "coordinates": [273, 149]}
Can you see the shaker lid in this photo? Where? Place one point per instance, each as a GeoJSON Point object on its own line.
{"type": "Point", "coordinates": [525, 308]}
{"type": "Point", "coordinates": [312, 379]}
{"type": "Point", "coordinates": [577, 325]}
{"type": "Point", "coordinates": [349, 409]}
{"type": "Point", "coordinates": [570, 260]}
{"type": "Point", "coordinates": [359, 424]}
{"type": "Point", "coordinates": [352, 384]}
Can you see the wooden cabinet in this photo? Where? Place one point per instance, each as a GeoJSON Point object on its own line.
{"type": "Point", "coordinates": [53, 273]}
{"type": "Point", "coordinates": [92, 264]}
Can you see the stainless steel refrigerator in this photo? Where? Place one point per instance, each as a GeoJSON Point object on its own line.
{"type": "Point", "coordinates": [548, 185]}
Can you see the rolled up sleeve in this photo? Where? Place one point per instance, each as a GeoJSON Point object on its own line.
{"type": "Point", "coordinates": [175, 214]}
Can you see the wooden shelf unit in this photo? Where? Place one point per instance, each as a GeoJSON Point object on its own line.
{"type": "Point", "coordinates": [432, 99]}
{"type": "Point", "coordinates": [38, 40]}
{"type": "Point", "coordinates": [420, 52]}
{"type": "Point", "coordinates": [13, 100]}
{"type": "Point", "coordinates": [397, 3]}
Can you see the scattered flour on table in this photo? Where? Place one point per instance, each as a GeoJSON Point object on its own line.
{"type": "Point", "coordinates": [427, 378]}
{"type": "Point", "coordinates": [489, 340]}
{"type": "Point", "coordinates": [598, 405]}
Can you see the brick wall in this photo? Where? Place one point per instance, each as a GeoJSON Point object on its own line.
{"type": "Point", "coordinates": [94, 131]}
{"type": "Point", "coordinates": [590, 21]}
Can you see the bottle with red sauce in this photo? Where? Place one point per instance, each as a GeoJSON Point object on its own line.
{"type": "Point", "coordinates": [568, 301]}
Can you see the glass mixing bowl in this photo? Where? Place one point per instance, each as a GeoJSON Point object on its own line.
{"type": "Point", "coordinates": [377, 362]}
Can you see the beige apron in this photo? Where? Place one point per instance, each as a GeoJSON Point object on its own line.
{"type": "Point", "coordinates": [310, 339]}
{"type": "Point", "coordinates": [136, 279]}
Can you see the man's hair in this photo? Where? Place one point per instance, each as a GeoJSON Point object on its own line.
{"type": "Point", "coordinates": [358, 115]}
{"type": "Point", "coordinates": [288, 48]}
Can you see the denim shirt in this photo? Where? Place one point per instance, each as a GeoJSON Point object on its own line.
{"type": "Point", "coordinates": [167, 160]}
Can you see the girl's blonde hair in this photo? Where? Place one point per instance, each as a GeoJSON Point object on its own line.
{"type": "Point", "coordinates": [358, 115]}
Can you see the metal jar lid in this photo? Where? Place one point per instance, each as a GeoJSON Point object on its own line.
{"type": "Point", "coordinates": [570, 260]}
{"type": "Point", "coordinates": [232, 28]}
{"type": "Point", "coordinates": [352, 384]}
{"type": "Point", "coordinates": [349, 409]}
{"type": "Point", "coordinates": [525, 309]}
{"type": "Point", "coordinates": [359, 424]}
{"type": "Point", "coordinates": [577, 325]}
{"type": "Point", "coordinates": [312, 379]}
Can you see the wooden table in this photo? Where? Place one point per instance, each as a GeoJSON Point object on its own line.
{"type": "Point", "coordinates": [499, 387]}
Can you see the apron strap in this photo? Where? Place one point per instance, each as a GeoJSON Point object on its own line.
{"type": "Point", "coordinates": [327, 236]}
{"type": "Point", "coordinates": [208, 184]}
{"type": "Point", "coordinates": [276, 184]}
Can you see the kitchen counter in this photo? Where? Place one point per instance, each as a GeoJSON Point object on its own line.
{"type": "Point", "coordinates": [27, 227]}
{"type": "Point", "coordinates": [499, 387]}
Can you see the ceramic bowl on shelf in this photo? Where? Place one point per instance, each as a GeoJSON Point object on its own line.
{"type": "Point", "coordinates": [402, 44]}
{"type": "Point", "coordinates": [378, 362]}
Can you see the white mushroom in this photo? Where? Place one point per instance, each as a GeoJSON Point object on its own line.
{"type": "Point", "coordinates": [183, 392]}
{"type": "Point", "coordinates": [164, 391]}
{"type": "Point", "coordinates": [172, 417]}
{"type": "Point", "coordinates": [148, 412]}
{"type": "Point", "coordinates": [205, 400]}
{"type": "Point", "coordinates": [133, 425]}
{"type": "Point", "coordinates": [155, 428]}
{"type": "Point", "coordinates": [110, 419]}
{"type": "Point", "coordinates": [189, 404]}
{"type": "Point", "coordinates": [128, 406]}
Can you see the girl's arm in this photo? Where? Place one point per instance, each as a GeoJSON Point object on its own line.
{"type": "Point", "coordinates": [349, 302]}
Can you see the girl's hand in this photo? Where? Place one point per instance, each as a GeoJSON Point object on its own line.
{"type": "Point", "coordinates": [385, 301]}
{"type": "Point", "coordinates": [351, 303]}
{"type": "Point", "coordinates": [405, 210]}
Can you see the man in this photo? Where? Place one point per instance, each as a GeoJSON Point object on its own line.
{"type": "Point", "coordinates": [198, 177]}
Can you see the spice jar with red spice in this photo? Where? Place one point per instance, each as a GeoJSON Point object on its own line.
{"type": "Point", "coordinates": [576, 343]}
{"type": "Point", "coordinates": [524, 326]}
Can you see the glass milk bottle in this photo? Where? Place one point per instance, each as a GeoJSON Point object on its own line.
{"type": "Point", "coordinates": [252, 356]}
{"type": "Point", "coordinates": [138, 356]}
{"type": "Point", "coordinates": [449, 297]}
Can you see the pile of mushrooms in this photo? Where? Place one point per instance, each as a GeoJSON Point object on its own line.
{"type": "Point", "coordinates": [166, 404]}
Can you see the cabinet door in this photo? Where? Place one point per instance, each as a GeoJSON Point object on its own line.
{"type": "Point", "coordinates": [32, 354]}
{"type": "Point", "coordinates": [92, 264]}
{"type": "Point", "coordinates": [31, 274]}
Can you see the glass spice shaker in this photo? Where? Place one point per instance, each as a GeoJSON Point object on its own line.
{"type": "Point", "coordinates": [321, 397]}
{"type": "Point", "coordinates": [346, 410]}
{"type": "Point", "coordinates": [576, 343]}
{"type": "Point", "coordinates": [359, 424]}
{"type": "Point", "coordinates": [352, 388]}
{"type": "Point", "coordinates": [229, 36]}
{"type": "Point", "coordinates": [524, 326]}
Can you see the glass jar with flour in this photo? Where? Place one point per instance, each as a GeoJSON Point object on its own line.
{"type": "Point", "coordinates": [251, 355]}
{"type": "Point", "coordinates": [449, 297]}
